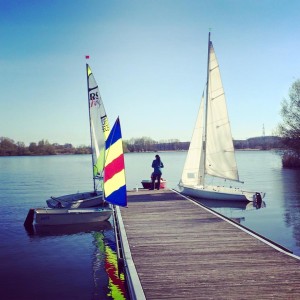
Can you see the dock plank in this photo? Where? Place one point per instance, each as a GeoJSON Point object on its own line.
{"type": "Point", "coordinates": [182, 251]}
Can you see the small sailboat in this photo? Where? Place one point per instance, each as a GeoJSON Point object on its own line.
{"type": "Point", "coordinates": [211, 152]}
{"type": "Point", "coordinates": [114, 187]}
{"type": "Point", "coordinates": [99, 130]}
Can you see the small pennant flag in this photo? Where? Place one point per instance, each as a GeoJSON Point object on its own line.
{"type": "Point", "coordinates": [114, 168]}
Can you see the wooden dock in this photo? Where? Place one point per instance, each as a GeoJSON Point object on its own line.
{"type": "Point", "coordinates": [174, 248]}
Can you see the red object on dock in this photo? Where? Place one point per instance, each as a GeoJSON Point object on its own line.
{"type": "Point", "coordinates": [147, 184]}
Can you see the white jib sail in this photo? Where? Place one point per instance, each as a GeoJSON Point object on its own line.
{"type": "Point", "coordinates": [220, 157]}
{"type": "Point", "coordinates": [193, 171]}
{"type": "Point", "coordinates": [99, 123]}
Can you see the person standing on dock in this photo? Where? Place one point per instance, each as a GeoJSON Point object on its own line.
{"type": "Point", "coordinates": [156, 165]}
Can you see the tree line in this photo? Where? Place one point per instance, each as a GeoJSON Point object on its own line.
{"type": "Point", "coordinates": [288, 139]}
{"type": "Point", "coordinates": [9, 148]}
{"type": "Point", "coordinates": [144, 144]}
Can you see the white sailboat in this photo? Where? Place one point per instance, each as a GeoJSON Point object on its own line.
{"type": "Point", "coordinates": [114, 188]}
{"type": "Point", "coordinates": [211, 152]}
{"type": "Point", "coordinates": [99, 130]}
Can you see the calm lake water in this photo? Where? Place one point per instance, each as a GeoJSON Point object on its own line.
{"type": "Point", "coordinates": [80, 262]}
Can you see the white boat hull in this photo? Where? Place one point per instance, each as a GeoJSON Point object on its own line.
{"type": "Point", "coordinates": [61, 216]}
{"type": "Point", "coordinates": [78, 200]}
{"type": "Point", "coordinates": [218, 193]}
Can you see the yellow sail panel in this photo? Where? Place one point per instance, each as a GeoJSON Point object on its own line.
{"type": "Point", "coordinates": [113, 184]}
{"type": "Point", "coordinates": [114, 151]}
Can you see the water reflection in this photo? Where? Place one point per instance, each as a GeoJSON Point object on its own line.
{"type": "Point", "coordinates": [36, 230]}
{"type": "Point", "coordinates": [105, 244]}
{"type": "Point", "coordinates": [291, 198]}
{"type": "Point", "coordinates": [256, 205]}
{"type": "Point", "coordinates": [233, 205]}
{"type": "Point", "coordinates": [238, 220]}
{"type": "Point", "coordinates": [230, 209]}
{"type": "Point", "coordinates": [108, 282]}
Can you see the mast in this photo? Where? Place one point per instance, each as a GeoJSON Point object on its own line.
{"type": "Point", "coordinates": [206, 105]}
{"type": "Point", "coordinates": [88, 90]}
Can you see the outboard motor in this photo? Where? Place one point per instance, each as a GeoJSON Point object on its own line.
{"type": "Point", "coordinates": [258, 200]}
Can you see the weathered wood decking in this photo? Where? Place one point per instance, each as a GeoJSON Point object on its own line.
{"type": "Point", "coordinates": [182, 251]}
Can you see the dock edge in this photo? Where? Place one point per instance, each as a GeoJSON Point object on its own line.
{"type": "Point", "coordinates": [135, 289]}
{"type": "Point", "coordinates": [243, 228]}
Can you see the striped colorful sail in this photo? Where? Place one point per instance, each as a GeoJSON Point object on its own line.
{"type": "Point", "coordinates": [114, 168]}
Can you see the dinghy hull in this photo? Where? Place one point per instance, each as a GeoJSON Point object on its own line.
{"type": "Point", "coordinates": [60, 216]}
{"type": "Point", "coordinates": [218, 193]}
{"type": "Point", "coordinates": [78, 200]}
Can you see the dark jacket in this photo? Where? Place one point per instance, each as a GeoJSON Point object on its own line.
{"type": "Point", "coordinates": [157, 165]}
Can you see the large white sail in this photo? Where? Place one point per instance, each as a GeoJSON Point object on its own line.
{"type": "Point", "coordinates": [98, 122]}
{"type": "Point", "coordinates": [211, 151]}
{"type": "Point", "coordinates": [193, 171]}
{"type": "Point", "coordinates": [220, 157]}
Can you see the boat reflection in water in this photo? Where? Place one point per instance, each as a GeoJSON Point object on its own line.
{"type": "Point", "coordinates": [50, 230]}
{"type": "Point", "coordinates": [228, 208]}
{"type": "Point", "coordinates": [106, 245]}
{"type": "Point", "coordinates": [236, 205]}
{"type": "Point", "coordinates": [108, 281]}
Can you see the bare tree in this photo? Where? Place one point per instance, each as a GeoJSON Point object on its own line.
{"type": "Point", "coordinates": [289, 129]}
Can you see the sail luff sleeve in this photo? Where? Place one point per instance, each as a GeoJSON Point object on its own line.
{"type": "Point", "coordinates": [114, 169]}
